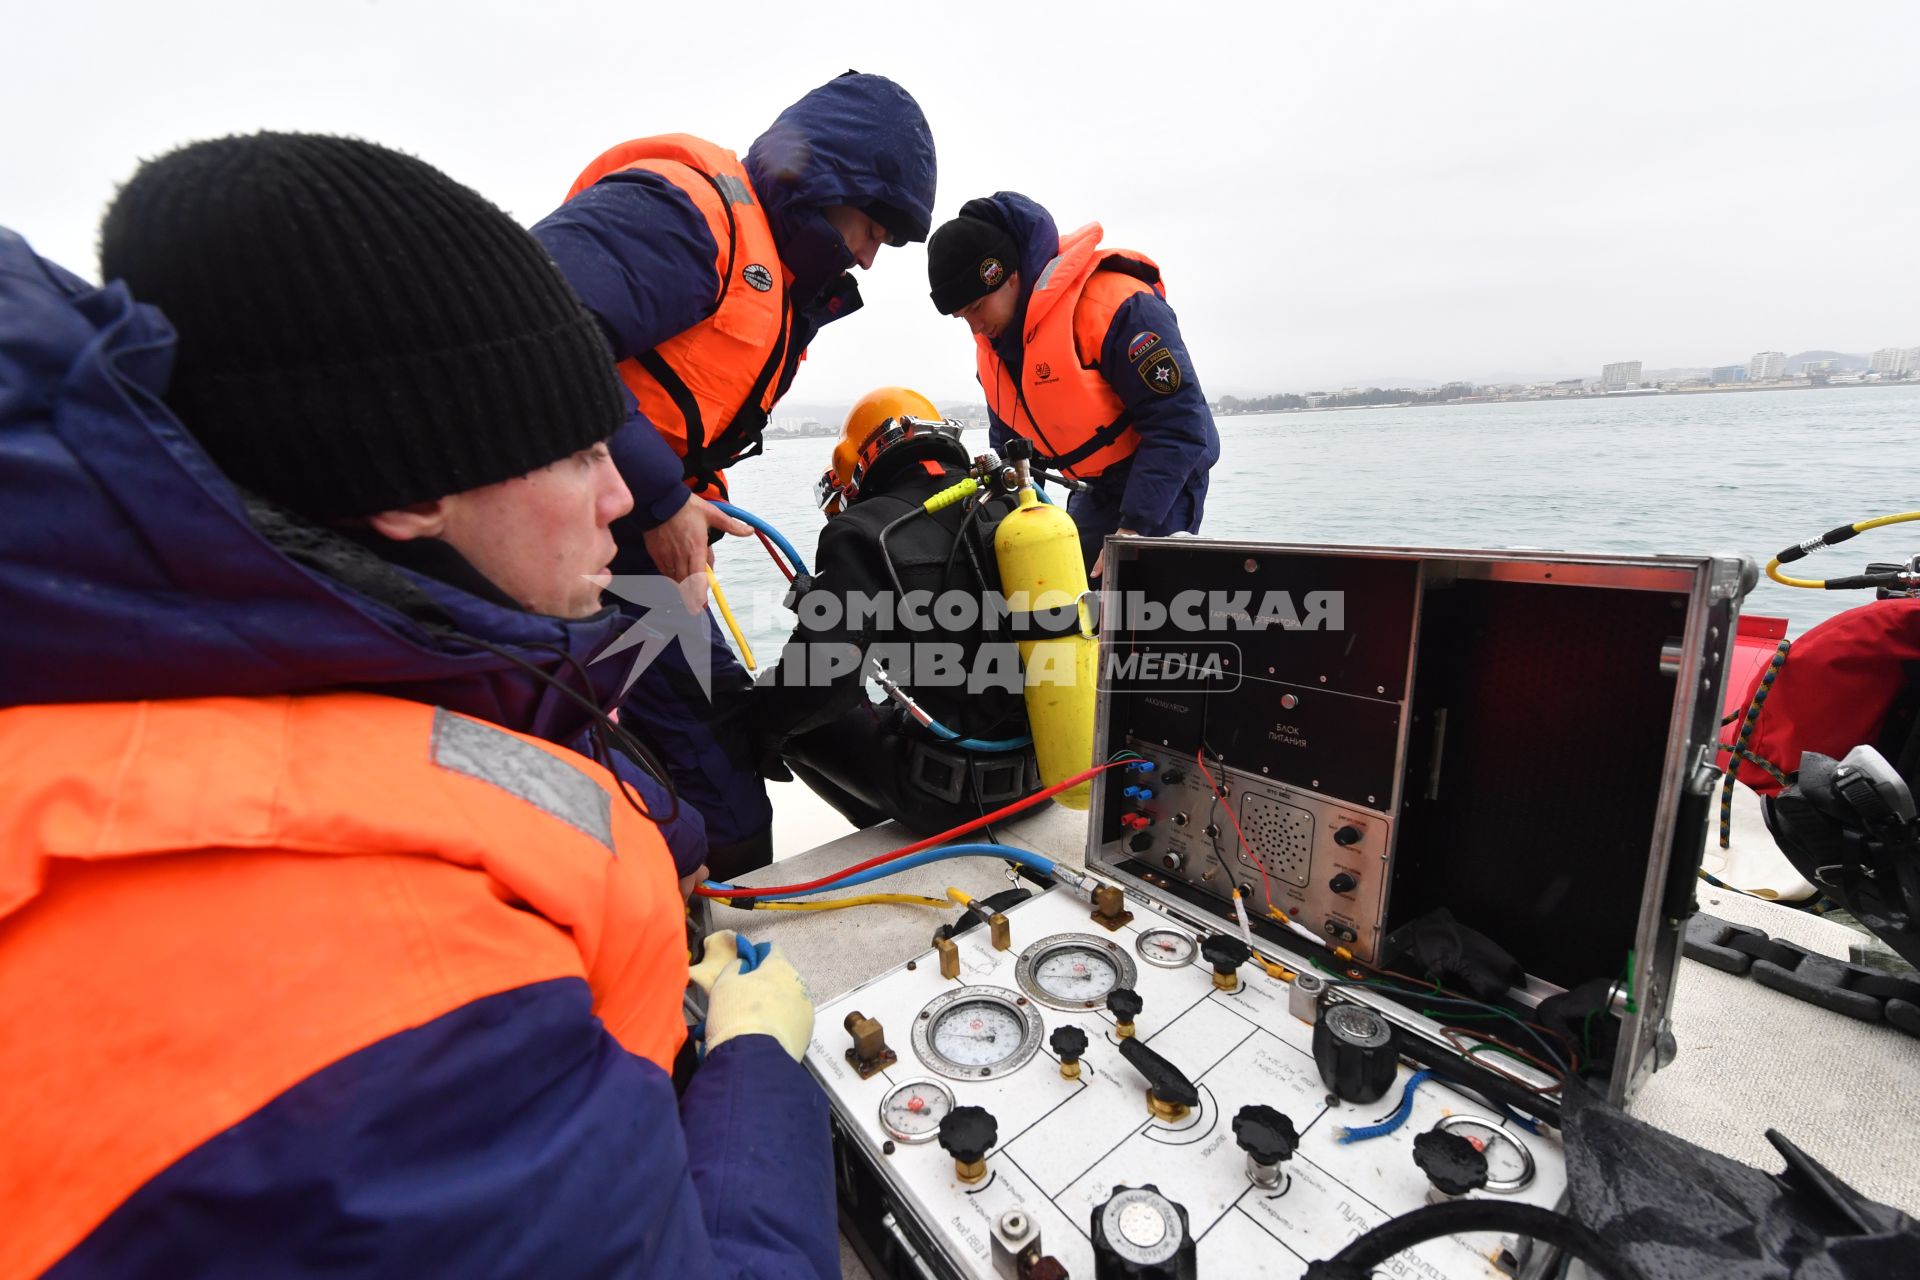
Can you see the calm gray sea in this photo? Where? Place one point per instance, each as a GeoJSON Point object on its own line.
{"type": "Point", "coordinates": [1746, 473]}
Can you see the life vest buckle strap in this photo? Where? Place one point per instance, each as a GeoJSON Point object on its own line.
{"type": "Point", "coordinates": [1092, 445]}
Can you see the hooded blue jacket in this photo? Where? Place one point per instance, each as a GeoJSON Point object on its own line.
{"type": "Point", "coordinates": [131, 569]}
{"type": "Point", "coordinates": [1162, 488]}
{"type": "Point", "coordinates": [641, 256]}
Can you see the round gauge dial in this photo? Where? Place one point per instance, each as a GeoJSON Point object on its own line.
{"type": "Point", "coordinates": [1166, 948]}
{"type": "Point", "coordinates": [1509, 1163]}
{"type": "Point", "coordinates": [1142, 1226]}
{"type": "Point", "coordinates": [913, 1112]}
{"type": "Point", "coordinates": [1073, 970]}
{"type": "Point", "coordinates": [976, 1033]}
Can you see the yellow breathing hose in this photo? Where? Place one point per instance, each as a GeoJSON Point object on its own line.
{"type": "Point", "coordinates": [1824, 541]}
{"type": "Point", "coordinates": [726, 612]}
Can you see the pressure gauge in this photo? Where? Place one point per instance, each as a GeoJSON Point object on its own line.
{"type": "Point", "coordinates": [1167, 948]}
{"type": "Point", "coordinates": [913, 1112]}
{"type": "Point", "coordinates": [1509, 1163]}
{"type": "Point", "coordinates": [976, 1033]}
{"type": "Point", "coordinates": [1073, 970]}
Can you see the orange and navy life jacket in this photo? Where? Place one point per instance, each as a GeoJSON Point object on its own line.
{"type": "Point", "coordinates": [1058, 399]}
{"type": "Point", "coordinates": [205, 902]}
{"type": "Point", "coordinates": [710, 389]}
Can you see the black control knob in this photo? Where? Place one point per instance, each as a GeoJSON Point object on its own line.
{"type": "Point", "coordinates": [1345, 882]}
{"type": "Point", "coordinates": [1226, 954]}
{"type": "Point", "coordinates": [1452, 1164]}
{"type": "Point", "coordinates": [968, 1133]}
{"type": "Point", "coordinates": [1353, 1047]}
{"type": "Point", "coordinates": [1016, 449]}
{"type": "Point", "coordinates": [1068, 1043]}
{"type": "Point", "coordinates": [1124, 1003]}
{"type": "Point", "coordinates": [1267, 1136]}
{"type": "Point", "coordinates": [1139, 1234]}
{"type": "Point", "coordinates": [1166, 1083]}
{"type": "Point", "coordinates": [1349, 835]}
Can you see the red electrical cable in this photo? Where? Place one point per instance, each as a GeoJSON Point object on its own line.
{"type": "Point", "coordinates": [928, 843]}
{"type": "Point", "coordinates": [1200, 758]}
{"type": "Point", "coordinates": [778, 561]}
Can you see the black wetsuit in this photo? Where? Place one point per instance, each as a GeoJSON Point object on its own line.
{"type": "Point", "coordinates": [872, 761]}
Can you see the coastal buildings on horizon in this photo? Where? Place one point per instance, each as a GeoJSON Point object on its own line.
{"type": "Point", "coordinates": [1763, 371]}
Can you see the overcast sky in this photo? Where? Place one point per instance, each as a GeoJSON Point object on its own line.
{"type": "Point", "coordinates": [1338, 192]}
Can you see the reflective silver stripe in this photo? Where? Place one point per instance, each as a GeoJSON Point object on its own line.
{"type": "Point", "coordinates": [732, 189]}
{"type": "Point", "coordinates": [1046, 274]}
{"type": "Point", "coordinates": [523, 771]}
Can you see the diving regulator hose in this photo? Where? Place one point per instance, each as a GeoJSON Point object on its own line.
{"type": "Point", "coordinates": [1828, 539]}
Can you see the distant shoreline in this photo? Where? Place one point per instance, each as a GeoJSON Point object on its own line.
{"type": "Point", "coordinates": [1736, 387]}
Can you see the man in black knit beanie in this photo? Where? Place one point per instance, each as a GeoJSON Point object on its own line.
{"type": "Point", "coordinates": [337, 958]}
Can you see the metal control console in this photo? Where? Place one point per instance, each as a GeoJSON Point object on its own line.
{"type": "Point", "coordinates": [983, 1058]}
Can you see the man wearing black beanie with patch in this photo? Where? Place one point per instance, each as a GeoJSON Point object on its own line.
{"type": "Point", "coordinates": [325, 957]}
{"type": "Point", "coordinates": [1079, 353]}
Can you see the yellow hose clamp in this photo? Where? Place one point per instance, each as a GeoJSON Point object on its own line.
{"type": "Point", "coordinates": [951, 494]}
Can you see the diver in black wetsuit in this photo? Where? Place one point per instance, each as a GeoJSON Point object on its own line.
{"type": "Point", "coordinates": [874, 761]}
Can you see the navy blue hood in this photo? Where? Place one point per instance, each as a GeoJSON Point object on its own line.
{"type": "Point", "coordinates": [1032, 228]}
{"type": "Point", "coordinates": [130, 568]}
{"type": "Point", "coordinates": [857, 139]}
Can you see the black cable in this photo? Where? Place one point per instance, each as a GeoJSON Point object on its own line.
{"type": "Point", "coordinates": [1358, 1260]}
{"type": "Point", "coordinates": [887, 532]}
{"type": "Point", "coordinates": [599, 725]}
{"type": "Point", "coordinates": [953, 552]}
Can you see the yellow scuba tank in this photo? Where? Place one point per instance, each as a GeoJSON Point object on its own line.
{"type": "Point", "coordinates": [1037, 549]}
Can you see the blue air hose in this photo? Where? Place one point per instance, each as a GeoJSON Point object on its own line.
{"type": "Point", "coordinates": [1399, 1117]}
{"type": "Point", "coordinates": [766, 527]}
{"type": "Point", "coordinates": [1025, 857]}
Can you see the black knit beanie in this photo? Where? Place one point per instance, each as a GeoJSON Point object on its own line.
{"type": "Point", "coordinates": [967, 259]}
{"type": "Point", "coordinates": [357, 331]}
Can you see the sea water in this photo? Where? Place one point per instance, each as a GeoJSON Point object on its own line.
{"type": "Point", "coordinates": [1744, 473]}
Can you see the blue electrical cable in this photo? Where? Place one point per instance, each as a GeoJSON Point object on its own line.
{"type": "Point", "coordinates": [766, 527]}
{"type": "Point", "coordinates": [1025, 857]}
{"type": "Point", "coordinates": [1361, 1133]}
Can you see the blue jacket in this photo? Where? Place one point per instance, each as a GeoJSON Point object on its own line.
{"type": "Point", "coordinates": [1178, 443]}
{"type": "Point", "coordinates": [130, 569]}
{"type": "Point", "coordinates": [641, 256]}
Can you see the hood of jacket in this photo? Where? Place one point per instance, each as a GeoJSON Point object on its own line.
{"type": "Point", "coordinates": [1032, 229]}
{"type": "Point", "coordinates": [131, 568]}
{"type": "Point", "coordinates": [859, 140]}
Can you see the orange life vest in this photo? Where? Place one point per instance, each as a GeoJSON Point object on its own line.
{"type": "Point", "coordinates": [1061, 402]}
{"type": "Point", "coordinates": [709, 389]}
{"type": "Point", "coordinates": [204, 902]}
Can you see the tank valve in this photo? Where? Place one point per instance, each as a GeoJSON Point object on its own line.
{"type": "Point", "coordinates": [1226, 954]}
{"type": "Point", "coordinates": [967, 1134]}
{"type": "Point", "coordinates": [1269, 1139]}
{"type": "Point", "coordinates": [1124, 1004]}
{"type": "Point", "coordinates": [1170, 1095]}
{"type": "Point", "coordinates": [1069, 1042]}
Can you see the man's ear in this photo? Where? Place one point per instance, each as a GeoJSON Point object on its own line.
{"type": "Point", "coordinates": [404, 524]}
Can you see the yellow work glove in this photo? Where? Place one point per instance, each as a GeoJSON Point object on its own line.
{"type": "Point", "coordinates": [723, 952]}
{"type": "Point", "coordinates": [769, 1001]}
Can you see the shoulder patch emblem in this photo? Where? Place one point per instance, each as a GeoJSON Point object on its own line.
{"type": "Point", "coordinates": [1161, 372]}
{"type": "Point", "coordinates": [992, 272]}
{"type": "Point", "coordinates": [1043, 371]}
{"type": "Point", "coordinates": [1143, 342]}
{"type": "Point", "coordinates": [758, 277]}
